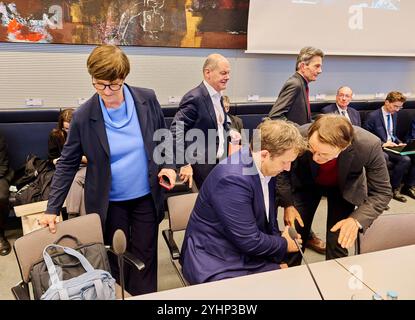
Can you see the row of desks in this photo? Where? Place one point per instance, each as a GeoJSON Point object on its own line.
{"type": "Point", "coordinates": [350, 278]}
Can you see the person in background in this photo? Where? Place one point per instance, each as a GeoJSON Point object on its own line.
{"type": "Point", "coordinates": [345, 163]}
{"type": "Point", "coordinates": [383, 124]}
{"type": "Point", "coordinates": [114, 129]}
{"type": "Point", "coordinates": [6, 176]}
{"type": "Point", "coordinates": [201, 108]}
{"type": "Point", "coordinates": [411, 133]}
{"type": "Point", "coordinates": [233, 230]}
{"type": "Point", "coordinates": [293, 104]}
{"type": "Point", "coordinates": [233, 121]}
{"type": "Point", "coordinates": [344, 96]}
{"type": "Point", "coordinates": [75, 200]}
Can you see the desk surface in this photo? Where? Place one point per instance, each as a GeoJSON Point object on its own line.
{"type": "Point", "coordinates": [291, 284]}
{"type": "Point", "coordinates": [385, 270]}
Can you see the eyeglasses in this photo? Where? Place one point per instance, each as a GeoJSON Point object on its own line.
{"type": "Point", "coordinates": [112, 86]}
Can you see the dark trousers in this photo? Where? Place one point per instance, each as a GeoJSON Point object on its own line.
{"type": "Point", "coordinates": [4, 204]}
{"type": "Point", "coordinates": [306, 202]}
{"type": "Point", "coordinates": [138, 219]}
{"type": "Point", "coordinates": [398, 166]}
{"type": "Point", "coordinates": [409, 180]}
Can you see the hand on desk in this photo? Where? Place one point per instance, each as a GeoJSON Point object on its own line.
{"type": "Point", "coordinates": [348, 232]}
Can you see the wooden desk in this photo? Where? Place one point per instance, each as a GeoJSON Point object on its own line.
{"type": "Point", "coordinates": [385, 270]}
{"type": "Point", "coordinates": [286, 284]}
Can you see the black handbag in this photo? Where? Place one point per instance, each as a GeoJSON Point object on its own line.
{"type": "Point", "coordinates": [67, 266]}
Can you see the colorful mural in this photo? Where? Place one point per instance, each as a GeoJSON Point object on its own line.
{"type": "Point", "coordinates": [172, 23]}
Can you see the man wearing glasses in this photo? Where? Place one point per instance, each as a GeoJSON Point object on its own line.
{"type": "Point", "coordinates": [346, 164]}
{"type": "Point", "coordinates": [343, 98]}
{"type": "Point", "coordinates": [114, 129]}
{"type": "Point", "coordinates": [383, 123]}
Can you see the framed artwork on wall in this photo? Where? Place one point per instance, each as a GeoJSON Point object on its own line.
{"type": "Point", "coordinates": [166, 23]}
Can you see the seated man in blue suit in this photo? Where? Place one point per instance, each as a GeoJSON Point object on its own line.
{"type": "Point", "coordinates": [344, 96]}
{"type": "Point", "coordinates": [233, 229]}
{"type": "Point", "coordinates": [383, 123]}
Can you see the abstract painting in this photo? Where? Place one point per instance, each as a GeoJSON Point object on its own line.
{"type": "Point", "coordinates": [171, 23]}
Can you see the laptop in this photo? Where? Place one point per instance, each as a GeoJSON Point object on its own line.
{"type": "Point", "coordinates": [409, 148]}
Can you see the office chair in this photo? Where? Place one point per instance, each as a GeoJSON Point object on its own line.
{"type": "Point", "coordinates": [388, 231]}
{"type": "Point", "coordinates": [28, 249]}
{"type": "Point", "coordinates": [179, 208]}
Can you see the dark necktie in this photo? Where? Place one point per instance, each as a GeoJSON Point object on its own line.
{"type": "Point", "coordinates": [389, 128]}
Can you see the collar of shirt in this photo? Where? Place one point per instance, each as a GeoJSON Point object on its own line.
{"type": "Point", "coordinates": [384, 112]}
{"type": "Point", "coordinates": [305, 80]}
{"type": "Point", "coordinates": [265, 189]}
{"type": "Point", "coordinates": [212, 92]}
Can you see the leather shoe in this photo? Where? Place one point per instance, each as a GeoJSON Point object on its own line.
{"type": "Point", "coordinates": [410, 192]}
{"type": "Point", "coordinates": [316, 244]}
{"type": "Point", "coordinates": [5, 247]}
{"type": "Point", "coordinates": [398, 196]}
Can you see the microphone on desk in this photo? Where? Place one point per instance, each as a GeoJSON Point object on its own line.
{"type": "Point", "coordinates": [293, 235]}
{"type": "Point", "coordinates": [119, 244]}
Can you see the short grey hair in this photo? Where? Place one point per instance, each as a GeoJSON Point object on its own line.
{"type": "Point", "coordinates": [306, 54]}
{"type": "Point", "coordinates": [212, 61]}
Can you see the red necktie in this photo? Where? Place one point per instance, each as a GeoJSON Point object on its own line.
{"type": "Point", "coordinates": [307, 91]}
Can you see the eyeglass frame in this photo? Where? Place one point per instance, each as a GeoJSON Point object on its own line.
{"type": "Point", "coordinates": [108, 85]}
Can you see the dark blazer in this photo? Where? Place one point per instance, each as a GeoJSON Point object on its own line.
{"type": "Point", "coordinates": [228, 234]}
{"type": "Point", "coordinates": [196, 111]}
{"type": "Point", "coordinates": [291, 103]}
{"type": "Point", "coordinates": [87, 136]}
{"type": "Point", "coordinates": [411, 133]}
{"type": "Point", "coordinates": [363, 177]}
{"type": "Point", "coordinates": [374, 123]}
{"type": "Point", "coordinates": [236, 122]}
{"type": "Point", "coordinates": [354, 115]}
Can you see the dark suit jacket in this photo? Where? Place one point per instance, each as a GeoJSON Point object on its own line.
{"type": "Point", "coordinates": [411, 133]}
{"type": "Point", "coordinates": [196, 111]}
{"type": "Point", "coordinates": [291, 103]}
{"type": "Point", "coordinates": [374, 123]}
{"type": "Point", "coordinates": [236, 122]}
{"type": "Point", "coordinates": [87, 136]}
{"type": "Point", "coordinates": [228, 234]}
{"type": "Point", "coordinates": [362, 171]}
{"type": "Point", "coordinates": [354, 115]}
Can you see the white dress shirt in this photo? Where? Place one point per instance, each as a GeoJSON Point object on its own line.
{"type": "Point", "coordinates": [343, 112]}
{"type": "Point", "coordinates": [385, 120]}
{"type": "Point", "coordinates": [265, 189]}
{"type": "Point", "coordinates": [220, 116]}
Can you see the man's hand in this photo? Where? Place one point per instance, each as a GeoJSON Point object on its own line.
{"type": "Point", "coordinates": [171, 174]}
{"type": "Point", "coordinates": [348, 232]}
{"type": "Point", "coordinates": [389, 144]}
{"type": "Point", "coordinates": [291, 246]}
{"type": "Point", "coordinates": [290, 215]}
{"type": "Point", "coordinates": [186, 174]}
{"type": "Point", "coordinates": [48, 220]}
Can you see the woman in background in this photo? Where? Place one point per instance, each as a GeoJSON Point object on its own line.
{"type": "Point", "coordinates": [75, 204]}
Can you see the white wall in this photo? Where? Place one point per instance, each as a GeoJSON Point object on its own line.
{"type": "Point", "coordinates": [57, 73]}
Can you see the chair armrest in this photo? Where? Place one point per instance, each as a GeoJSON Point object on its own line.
{"type": "Point", "coordinates": [134, 261]}
{"type": "Point", "coordinates": [20, 291]}
{"type": "Point", "coordinates": [130, 259]}
{"type": "Point", "coordinates": [171, 244]}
